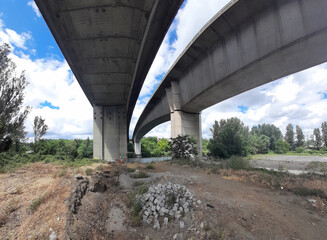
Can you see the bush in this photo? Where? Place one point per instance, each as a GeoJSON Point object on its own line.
{"type": "Point", "coordinates": [88, 171]}
{"type": "Point", "coordinates": [150, 165]}
{"type": "Point", "coordinates": [237, 163]}
{"type": "Point", "coordinates": [183, 147]}
{"type": "Point", "coordinates": [300, 149]}
{"type": "Point", "coordinates": [62, 173]}
{"type": "Point", "coordinates": [140, 175]}
{"type": "Point", "coordinates": [304, 192]}
{"type": "Point", "coordinates": [36, 203]}
{"type": "Point", "coordinates": [134, 202]}
{"type": "Point", "coordinates": [282, 147]}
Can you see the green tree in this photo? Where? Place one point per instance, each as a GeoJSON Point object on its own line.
{"type": "Point", "coordinates": [289, 136]}
{"type": "Point", "coordinates": [299, 137]}
{"type": "Point", "coordinates": [149, 147]}
{"type": "Point", "coordinates": [39, 129]}
{"type": "Point", "coordinates": [262, 144]}
{"type": "Point", "coordinates": [12, 114]}
{"type": "Point", "coordinates": [324, 133]}
{"type": "Point", "coordinates": [229, 137]}
{"type": "Point", "coordinates": [205, 143]}
{"type": "Point", "coordinates": [317, 138]}
{"type": "Point", "coordinates": [270, 131]}
{"type": "Point", "coordinates": [163, 147]}
{"type": "Point", "coordinates": [282, 147]}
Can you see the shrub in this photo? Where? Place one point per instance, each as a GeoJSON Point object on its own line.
{"type": "Point", "coordinates": [183, 147]}
{"type": "Point", "coordinates": [62, 173]}
{"type": "Point", "coordinates": [237, 163]}
{"type": "Point", "coordinates": [282, 147]}
{"type": "Point", "coordinates": [88, 171]}
{"type": "Point", "coordinates": [150, 165]}
{"type": "Point", "coordinates": [134, 201]}
{"type": "Point", "coordinates": [140, 175]}
{"type": "Point", "coordinates": [303, 192]}
{"type": "Point", "coordinates": [300, 149]}
{"type": "Point", "coordinates": [36, 203]}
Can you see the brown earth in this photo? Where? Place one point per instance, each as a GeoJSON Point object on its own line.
{"type": "Point", "coordinates": [231, 207]}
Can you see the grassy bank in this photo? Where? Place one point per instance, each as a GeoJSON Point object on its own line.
{"type": "Point", "coordinates": [9, 162]}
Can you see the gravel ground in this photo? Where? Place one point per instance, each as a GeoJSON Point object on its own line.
{"type": "Point", "coordinates": [294, 164]}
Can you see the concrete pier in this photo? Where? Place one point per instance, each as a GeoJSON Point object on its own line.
{"type": "Point", "coordinates": [109, 133]}
{"type": "Point", "coordinates": [137, 149]}
{"type": "Point", "coordinates": [183, 123]}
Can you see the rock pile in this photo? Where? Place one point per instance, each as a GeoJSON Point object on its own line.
{"type": "Point", "coordinates": [165, 200]}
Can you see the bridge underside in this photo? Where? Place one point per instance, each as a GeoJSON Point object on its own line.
{"type": "Point", "coordinates": [248, 44]}
{"type": "Point", "coordinates": [110, 46]}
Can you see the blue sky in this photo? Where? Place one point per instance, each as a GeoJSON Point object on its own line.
{"type": "Point", "coordinates": [19, 16]}
{"type": "Point", "coordinates": [55, 95]}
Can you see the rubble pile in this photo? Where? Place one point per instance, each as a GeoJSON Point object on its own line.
{"type": "Point", "coordinates": [166, 200]}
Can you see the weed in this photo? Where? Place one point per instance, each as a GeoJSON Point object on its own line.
{"type": "Point", "coordinates": [140, 175]}
{"type": "Point", "coordinates": [170, 199]}
{"type": "Point", "coordinates": [304, 192]}
{"type": "Point", "coordinates": [99, 168]}
{"type": "Point", "coordinates": [135, 204]}
{"type": "Point", "coordinates": [136, 184]}
{"type": "Point", "coordinates": [4, 212]}
{"type": "Point", "coordinates": [3, 217]}
{"type": "Point", "coordinates": [88, 171]}
{"type": "Point", "coordinates": [281, 168]}
{"type": "Point", "coordinates": [130, 169]}
{"type": "Point", "coordinates": [62, 173]}
{"type": "Point", "coordinates": [36, 203]}
{"type": "Point", "coordinates": [222, 235]}
{"type": "Point", "coordinates": [238, 162]}
{"type": "Point", "coordinates": [19, 190]}
{"type": "Point", "coordinates": [214, 235]}
{"type": "Point", "coordinates": [215, 169]}
{"type": "Point", "coordinates": [206, 227]}
{"type": "Point", "coordinates": [150, 165]}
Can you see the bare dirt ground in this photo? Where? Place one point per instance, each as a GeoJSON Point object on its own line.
{"type": "Point", "coordinates": [96, 207]}
{"type": "Point", "coordinates": [18, 191]}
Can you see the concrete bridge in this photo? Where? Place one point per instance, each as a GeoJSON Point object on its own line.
{"type": "Point", "coordinates": [110, 46]}
{"type": "Point", "coordinates": [245, 45]}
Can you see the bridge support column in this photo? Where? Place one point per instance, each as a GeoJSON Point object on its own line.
{"type": "Point", "coordinates": [137, 149]}
{"type": "Point", "coordinates": [109, 133]}
{"type": "Point", "coordinates": [183, 123]}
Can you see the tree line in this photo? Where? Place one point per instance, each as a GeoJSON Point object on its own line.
{"type": "Point", "coordinates": [232, 137]}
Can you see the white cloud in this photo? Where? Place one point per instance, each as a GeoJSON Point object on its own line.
{"type": "Point", "coordinates": [187, 23]}
{"type": "Point", "coordinates": [295, 99]}
{"type": "Point", "coordinates": [51, 80]}
{"type": "Point", "coordinates": [13, 38]}
{"type": "Point", "coordinates": [35, 8]}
